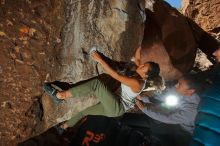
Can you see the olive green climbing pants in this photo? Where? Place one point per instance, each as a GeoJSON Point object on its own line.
{"type": "Point", "coordinates": [109, 105]}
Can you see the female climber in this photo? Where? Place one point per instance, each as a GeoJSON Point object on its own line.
{"type": "Point", "coordinates": [110, 104]}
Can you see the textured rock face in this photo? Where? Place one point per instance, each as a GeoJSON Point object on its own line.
{"type": "Point", "coordinates": [108, 25]}
{"type": "Point", "coordinates": [29, 38]}
{"type": "Point", "coordinates": [206, 13]}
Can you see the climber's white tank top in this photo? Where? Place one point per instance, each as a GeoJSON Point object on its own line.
{"type": "Point", "coordinates": [128, 96]}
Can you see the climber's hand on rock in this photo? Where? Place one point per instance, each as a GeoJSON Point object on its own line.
{"type": "Point", "coordinates": [96, 57]}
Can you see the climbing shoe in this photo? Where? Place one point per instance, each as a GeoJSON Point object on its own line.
{"type": "Point", "coordinates": [51, 91]}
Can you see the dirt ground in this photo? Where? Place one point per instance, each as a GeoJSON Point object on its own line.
{"type": "Point", "coordinates": [29, 43]}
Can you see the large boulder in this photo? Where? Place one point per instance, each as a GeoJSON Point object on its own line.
{"type": "Point", "coordinates": [168, 40]}
{"type": "Point", "coordinates": [115, 27]}
{"type": "Point", "coordinates": [109, 25]}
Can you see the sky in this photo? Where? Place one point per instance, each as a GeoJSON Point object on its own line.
{"type": "Point", "coordinates": [174, 3]}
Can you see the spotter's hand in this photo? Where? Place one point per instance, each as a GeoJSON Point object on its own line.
{"type": "Point", "coordinates": [138, 97]}
{"type": "Point", "coordinates": [96, 56]}
{"type": "Point", "coordinates": [140, 105]}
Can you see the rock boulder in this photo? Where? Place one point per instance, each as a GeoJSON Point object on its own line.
{"type": "Point", "coordinates": [204, 20]}
{"type": "Point", "coordinates": [168, 40]}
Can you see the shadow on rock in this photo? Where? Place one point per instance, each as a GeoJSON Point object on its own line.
{"type": "Point", "coordinates": [47, 138]}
